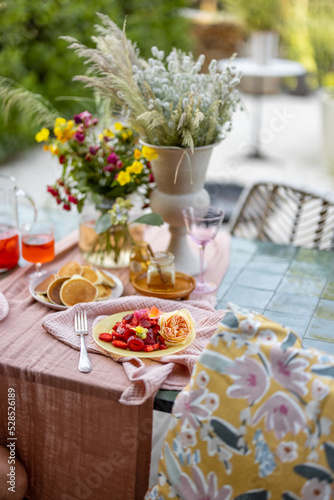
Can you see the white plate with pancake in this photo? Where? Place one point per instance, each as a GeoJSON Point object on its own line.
{"type": "Point", "coordinates": [117, 291]}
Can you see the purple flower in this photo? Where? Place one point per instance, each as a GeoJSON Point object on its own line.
{"type": "Point", "coordinates": [200, 489]}
{"type": "Point", "coordinates": [289, 370]}
{"type": "Point", "coordinates": [86, 118]}
{"type": "Point", "coordinates": [108, 168]}
{"type": "Point", "coordinates": [282, 415]}
{"type": "Point", "coordinates": [250, 380]}
{"type": "Point", "coordinates": [77, 119]}
{"type": "Point", "coordinates": [119, 164]}
{"type": "Point", "coordinates": [187, 407]}
{"type": "Point", "coordinates": [113, 158]}
{"type": "Point", "coordinates": [94, 149]}
{"type": "Point", "coordinates": [79, 136]}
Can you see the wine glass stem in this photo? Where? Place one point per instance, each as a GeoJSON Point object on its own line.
{"type": "Point", "coordinates": [38, 267]}
{"type": "Point", "coordinates": [201, 259]}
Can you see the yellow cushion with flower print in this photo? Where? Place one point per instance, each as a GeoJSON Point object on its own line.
{"type": "Point", "coordinates": [256, 420]}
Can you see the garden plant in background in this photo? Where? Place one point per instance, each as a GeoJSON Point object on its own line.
{"type": "Point", "coordinates": [33, 55]}
{"type": "Point", "coordinates": [105, 166]}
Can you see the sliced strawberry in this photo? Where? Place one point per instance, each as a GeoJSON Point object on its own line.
{"type": "Point", "coordinates": [116, 325]}
{"type": "Point", "coordinates": [128, 318]}
{"type": "Point", "coordinates": [161, 340]}
{"type": "Point", "coordinates": [118, 336]}
{"type": "Point", "coordinates": [149, 348]}
{"type": "Point", "coordinates": [163, 346]}
{"type": "Point", "coordinates": [134, 321]}
{"type": "Point", "coordinates": [135, 343]}
{"type": "Point", "coordinates": [106, 337]}
{"type": "Point", "coordinates": [145, 323]}
{"type": "Point", "coordinates": [150, 338]}
{"type": "Point", "coordinates": [128, 333]}
{"type": "Point", "coordinates": [120, 343]}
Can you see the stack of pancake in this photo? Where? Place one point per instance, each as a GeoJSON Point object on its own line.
{"type": "Point", "coordinates": [75, 283]}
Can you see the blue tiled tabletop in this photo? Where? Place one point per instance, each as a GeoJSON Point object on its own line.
{"type": "Point", "coordinates": [292, 286]}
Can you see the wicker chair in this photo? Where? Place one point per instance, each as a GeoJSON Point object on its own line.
{"type": "Point", "coordinates": [286, 215]}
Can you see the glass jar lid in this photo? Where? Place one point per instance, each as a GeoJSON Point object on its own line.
{"type": "Point", "coordinates": [163, 258]}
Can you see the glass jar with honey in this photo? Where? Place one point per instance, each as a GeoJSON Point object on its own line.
{"type": "Point", "coordinates": [139, 259]}
{"type": "Point", "coordinates": [161, 272]}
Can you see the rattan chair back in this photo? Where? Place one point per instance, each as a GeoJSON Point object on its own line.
{"type": "Point", "coordinates": [286, 215]}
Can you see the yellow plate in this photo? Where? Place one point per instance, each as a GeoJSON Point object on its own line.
{"type": "Point", "coordinates": [106, 324]}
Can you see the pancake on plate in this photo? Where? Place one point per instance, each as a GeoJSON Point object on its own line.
{"type": "Point", "coordinates": [43, 286]}
{"type": "Point", "coordinates": [103, 292]}
{"type": "Point", "coordinates": [70, 268]}
{"type": "Point", "coordinates": [77, 289]}
{"type": "Point", "coordinates": [54, 288]}
{"type": "Point", "coordinates": [89, 273]}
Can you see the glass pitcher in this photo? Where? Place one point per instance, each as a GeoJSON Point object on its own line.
{"type": "Point", "coordinates": [9, 234]}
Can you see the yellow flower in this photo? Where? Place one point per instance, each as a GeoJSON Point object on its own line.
{"type": "Point", "coordinates": [42, 135]}
{"type": "Point", "coordinates": [149, 153]}
{"type": "Point", "coordinates": [108, 133]}
{"type": "Point", "coordinates": [135, 168]}
{"type": "Point", "coordinates": [70, 124]}
{"type": "Point", "coordinates": [137, 154]}
{"type": "Point", "coordinates": [118, 126]}
{"type": "Point", "coordinates": [63, 129]}
{"type": "Point", "coordinates": [125, 135]}
{"type": "Point", "coordinates": [123, 178]}
{"type": "Point", "coordinates": [53, 149]}
{"type": "Point", "coordinates": [46, 147]}
{"type": "Point", "coordinates": [60, 121]}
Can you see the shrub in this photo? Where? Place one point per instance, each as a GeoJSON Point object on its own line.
{"type": "Point", "coordinates": [32, 53]}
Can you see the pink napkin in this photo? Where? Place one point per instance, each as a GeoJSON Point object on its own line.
{"type": "Point", "coordinates": [4, 307]}
{"type": "Point", "coordinates": [147, 375]}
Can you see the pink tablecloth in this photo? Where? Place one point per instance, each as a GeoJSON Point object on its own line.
{"type": "Point", "coordinates": [76, 440]}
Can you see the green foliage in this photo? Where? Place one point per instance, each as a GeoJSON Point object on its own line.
{"type": "Point", "coordinates": [259, 15]}
{"type": "Point", "coordinates": [32, 53]}
{"type": "Point", "coordinates": [321, 32]}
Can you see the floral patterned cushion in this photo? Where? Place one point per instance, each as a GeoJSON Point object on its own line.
{"type": "Point", "coordinates": [256, 420]}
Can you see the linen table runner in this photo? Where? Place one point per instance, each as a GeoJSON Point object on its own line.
{"type": "Point", "coordinates": [67, 417]}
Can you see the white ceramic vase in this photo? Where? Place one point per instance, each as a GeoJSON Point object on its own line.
{"type": "Point", "coordinates": [263, 46]}
{"type": "Point", "coordinates": [180, 176]}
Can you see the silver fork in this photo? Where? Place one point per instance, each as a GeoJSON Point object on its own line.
{"type": "Point", "coordinates": [80, 326]}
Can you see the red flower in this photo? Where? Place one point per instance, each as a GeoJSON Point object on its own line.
{"type": "Point", "coordinates": [113, 158]}
{"type": "Point", "coordinates": [59, 200]}
{"type": "Point", "coordinates": [79, 136]}
{"type": "Point", "coordinates": [60, 182]}
{"type": "Point", "coordinates": [93, 149]}
{"type": "Point", "coordinates": [62, 159]}
{"type": "Point", "coordinates": [73, 199]}
{"type": "Point", "coordinates": [108, 168]}
{"type": "Point", "coordinates": [67, 206]}
{"type": "Point", "coordinates": [52, 190]}
{"type": "Point", "coordinates": [119, 164]}
{"type": "Point", "coordinates": [151, 178]}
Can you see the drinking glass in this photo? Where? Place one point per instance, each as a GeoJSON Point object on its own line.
{"type": "Point", "coordinates": [202, 226]}
{"type": "Point", "coordinates": [38, 244]}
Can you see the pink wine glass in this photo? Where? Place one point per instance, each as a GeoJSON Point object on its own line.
{"type": "Point", "coordinates": [202, 226]}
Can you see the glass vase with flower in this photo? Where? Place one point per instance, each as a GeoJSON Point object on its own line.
{"type": "Point", "coordinates": [105, 166]}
